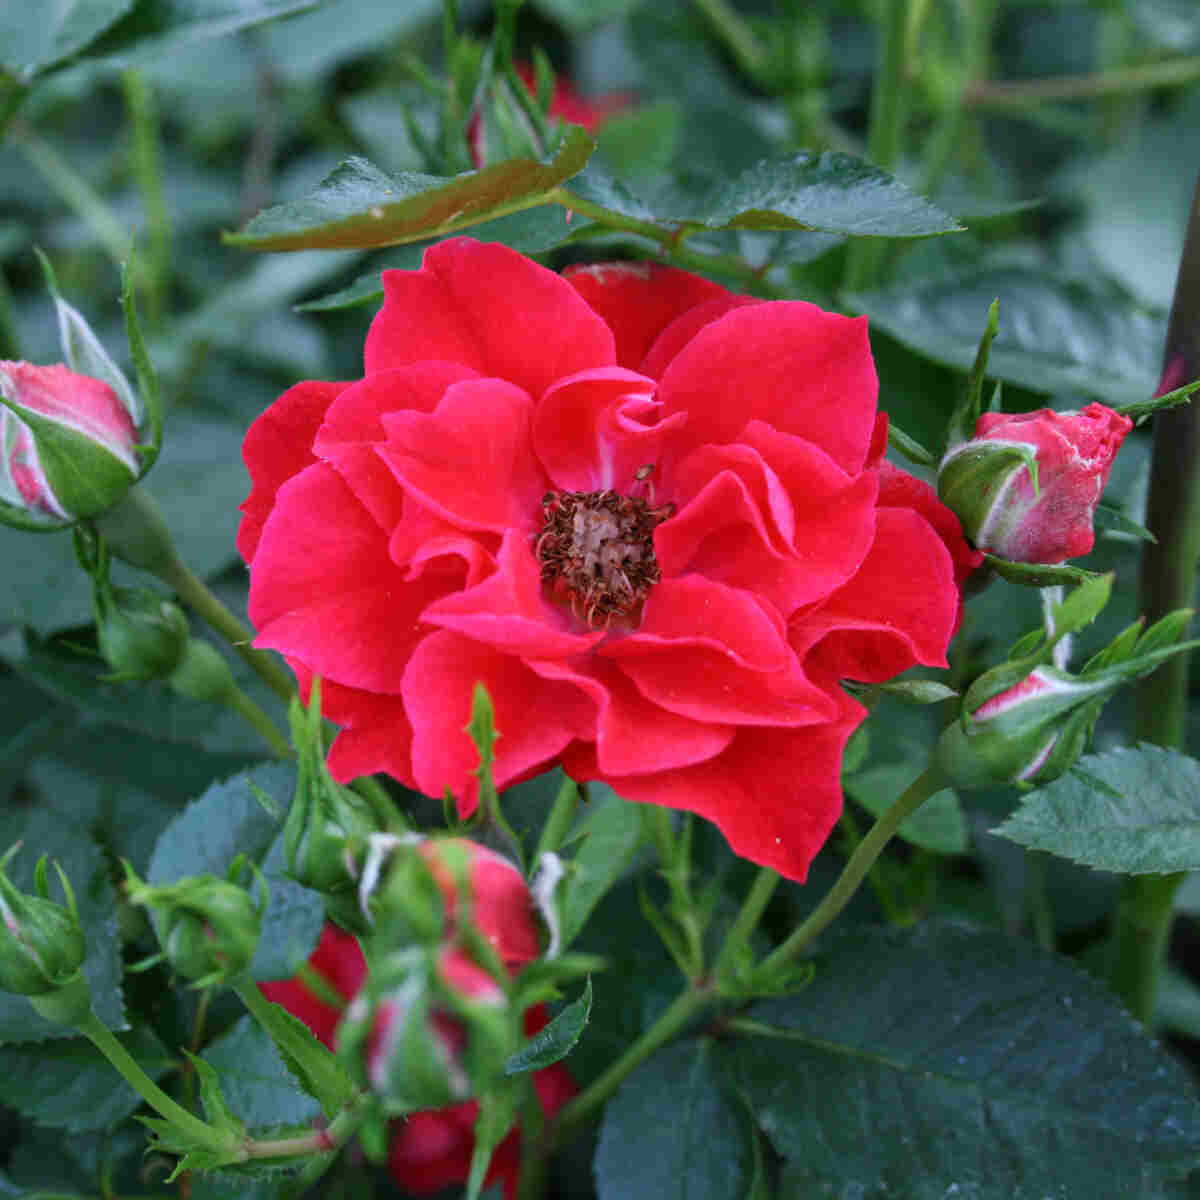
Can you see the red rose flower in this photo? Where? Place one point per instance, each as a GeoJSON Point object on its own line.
{"type": "Point", "coordinates": [649, 515]}
{"type": "Point", "coordinates": [986, 480]}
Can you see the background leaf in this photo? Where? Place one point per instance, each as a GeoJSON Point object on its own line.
{"type": "Point", "coordinates": [1130, 810]}
{"type": "Point", "coordinates": [63, 29]}
{"type": "Point", "coordinates": [1055, 334]}
{"type": "Point", "coordinates": [938, 825]}
{"type": "Point", "coordinates": [671, 1133]}
{"type": "Point", "coordinates": [925, 1060]}
{"type": "Point", "coordinates": [257, 1086]}
{"type": "Point", "coordinates": [71, 1085]}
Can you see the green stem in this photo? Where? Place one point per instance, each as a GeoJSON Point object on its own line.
{"type": "Point", "coordinates": [1142, 921]}
{"type": "Point", "coordinates": [927, 784]}
{"type": "Point", "coordinates": [1041, 915]}
{"type": "Point", "coordinates": [672, 1022]}
{"type": "Point", "coordinates": [75, 192]}
{"type": "Point", "coordinates": [320, 1141]}
{"type": "Point", "coordinates": [256, 717]}
{"type": "Point", "coordinates": [382, 806]}
{"type": "Point", "coordinates": [147, 168]}
{"type": "Point", "coordinates": [10, 339]}
{"type": "Point", "coordinates": [11, 99]}
{"type": "Point", "coordinates": [889, 108]}
{"type": "Point", "coordinates": [100, 1037]}
{"type": "Point", "coordinates": [736, 34]}
{"type": "Point", "coordinates": [1141, 929]}
{"type": "Point", "coordinates": [753, 907]}
{"type": "Point", "coordinates": [194, 592]}
{"type": "Point", "coordinates": [1019, 95]}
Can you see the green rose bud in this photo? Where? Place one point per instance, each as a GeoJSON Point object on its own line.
{"type": "Point", "coordinates": [208, 927]}
{"type": "Point", "coordinates": [42, 946]}
{"type": "Point", "coordinates": [202, 674]}
{"type": "Point", "coordinates": [142, 635]}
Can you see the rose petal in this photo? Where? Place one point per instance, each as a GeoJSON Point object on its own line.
{"type": "Point", "coordinates": [534, 717]}
{"type": "Point", "coordinates": [278, 445]}
{"type": "Point", "coordinates": [594, 430]}
{"type": "Point", "coordinates": [631, 733]}
{"type": "Point", "coordinates": [685, 327]}
{"type": "Point", "coordinates": [790, 364]}
{"type": "Point", "coordinates": [352, 428]}
{"type": "Point", "coordinates": [454, 309]}
{"type": "Point", "coordinates": [470, 460]}
{"type": "Point", "coordinates": [637, 301]}
{"type": "Point", "coordinates": [508, 611]}
{"type": "Point", "coordinates": [717, 654]}
{"type": "Point", "coordinates": [324, 590]}
{"type": "Point", "coordinates": [860, 638]}
{"type": "Point", "coordinates": [774, 793]}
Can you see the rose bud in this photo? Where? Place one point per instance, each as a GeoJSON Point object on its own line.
{"type": "Point", "coordinates": [42, 946]}
{"type": "Point", "coordinates": [419, 1036]}
{"type": "Point", "coordinates": [68, 446]}
{"type": "Point", "coordinates": [142, 635]}
{"type": "Point", "coordinates": [326, 819]}
{"type": "Point", "coordinates": [208, 927]}
{"type": "Point", "coordinates": [1026, 485]}
{"type": "Point", "coordinates": [202, 674]}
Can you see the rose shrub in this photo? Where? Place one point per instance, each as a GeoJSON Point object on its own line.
{"type": "Point", "coordinates": [651, 516]}
{"type": "Point", "coordinates": [988, 484]}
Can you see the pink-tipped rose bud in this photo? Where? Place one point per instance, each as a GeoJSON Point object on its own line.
{"type": "Point", "coordinates": [67, 444]}
{"type": "Point", "coordinates": [501, 905]}
{"type": "Point", "coordinates": [1039, 515]}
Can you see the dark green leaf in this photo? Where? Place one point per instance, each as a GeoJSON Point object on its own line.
{"type": "Point", "coordinates": [607, 837]}
{"type": "Point", "coordinates": [556, 1040]}
{"type": "Point", "coordinates": [945, 1060]}
{"type": "Point", "coordinates": [938, 825]}
{"type": "Point", "coordinates": [671, 1133]}
{"type": "Point", "coordinates": [1055, 334]}
{"type": "Point", "coordinates": [257, 1086]}
{"type": "Point", "coordinates": [359, 206]}
{"type": "Point", "coordinates": [43, 832]}
{"type": "Point", "coordinates": [28, 46]}
{"type": "Point", "coordinates": [1144, 818]}
{"type": "Point", "coordinates": [826, 193]}
{"type": "Point", "coordinates": [69, 1083]}
{"type": "Point", "coordinates": [292, 923]}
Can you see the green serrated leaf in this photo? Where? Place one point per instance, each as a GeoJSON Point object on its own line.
{"type": "Point", "coordinates": [71, 1085]}
{"type": "Point", "coordinates": [1082, 605]}
{"type": "Point", "coordinates": [672, 1133]}
{"type": "Point", "coordinates": [359, 206]}
{"type": "Point", "coordinates": [824, 193]}
{"type": "Point", "coordinates": [259, 1089]}
{"type": "Point", "coordinates": [607, 837]}
{"type": "Point", "coordinates": [315, 1068]}
{"type": "Point", "coordinates": [946, 1060]}
{"type": "Point", "coordinates": [1145, 818]}
{"type": "Point", "coordinates": [556, 1040]}
{"type": "Point", "coordinates": [1057, 335]}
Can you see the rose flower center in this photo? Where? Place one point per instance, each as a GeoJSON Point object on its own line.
{"type": "Point", "coordinates": [597, 548]}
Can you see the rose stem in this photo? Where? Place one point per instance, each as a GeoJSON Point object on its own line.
{"type": "Point", "coordinates": [99, 1035]}
{"type": "Point", "coordinates": [885, 137]}
{"type": "Point", "coordinates": [1142, 921]}
{"type": "Point", "coordinates": [928, 783]}
{"type": "Point", "coordinates": [260, 722]}
{"type": "Point", "coordinates": [753, 907]}
{"type": "Point", "coordinates": [147, 167]}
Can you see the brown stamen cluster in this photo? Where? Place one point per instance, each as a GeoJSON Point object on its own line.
{"type": "Point", "coordinates": [599, 548]}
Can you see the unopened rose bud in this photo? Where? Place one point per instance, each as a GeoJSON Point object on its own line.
{"type": "Point", "coordinates": [202, 674]}
{"type": "Point", "coordinates": [68, 446]}
{"type": "Point", "coordinates": [42, 946]}
{"type": "Point", "coordinates": [142, 635]}
{"type": "Point", "coordinates": [1030, 731]}
{"type": "Point", "coordinates": [326, 821]}
{"type": "Point", "coordinates": [422, 1033]}
{"type": "Point", "coordinates": [1026, 485]}
{"type": "Point", "coordinates": [208, 927]}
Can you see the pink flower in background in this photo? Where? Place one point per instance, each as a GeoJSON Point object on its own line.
{"type": "Point", "coordinates": [649, 515]}
{"type": "Point", "coordinates": [988, 483]}
{"type": "Point", "coordinates": [83, 459]}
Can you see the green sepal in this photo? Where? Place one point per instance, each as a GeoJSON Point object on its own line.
{"type": "Point", "coordinates": [147, 377]}
{"type": "Point", "coordinates": [1038, 575]}
{"type": "Point", "coordinates": [1081, 606]}
{"type": "Point", "coordinates": [556, 1040]}
{"type": "Point", "coordinates": [966, 416]}
{"type": "Point", "coordinates": [497, 1113]}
